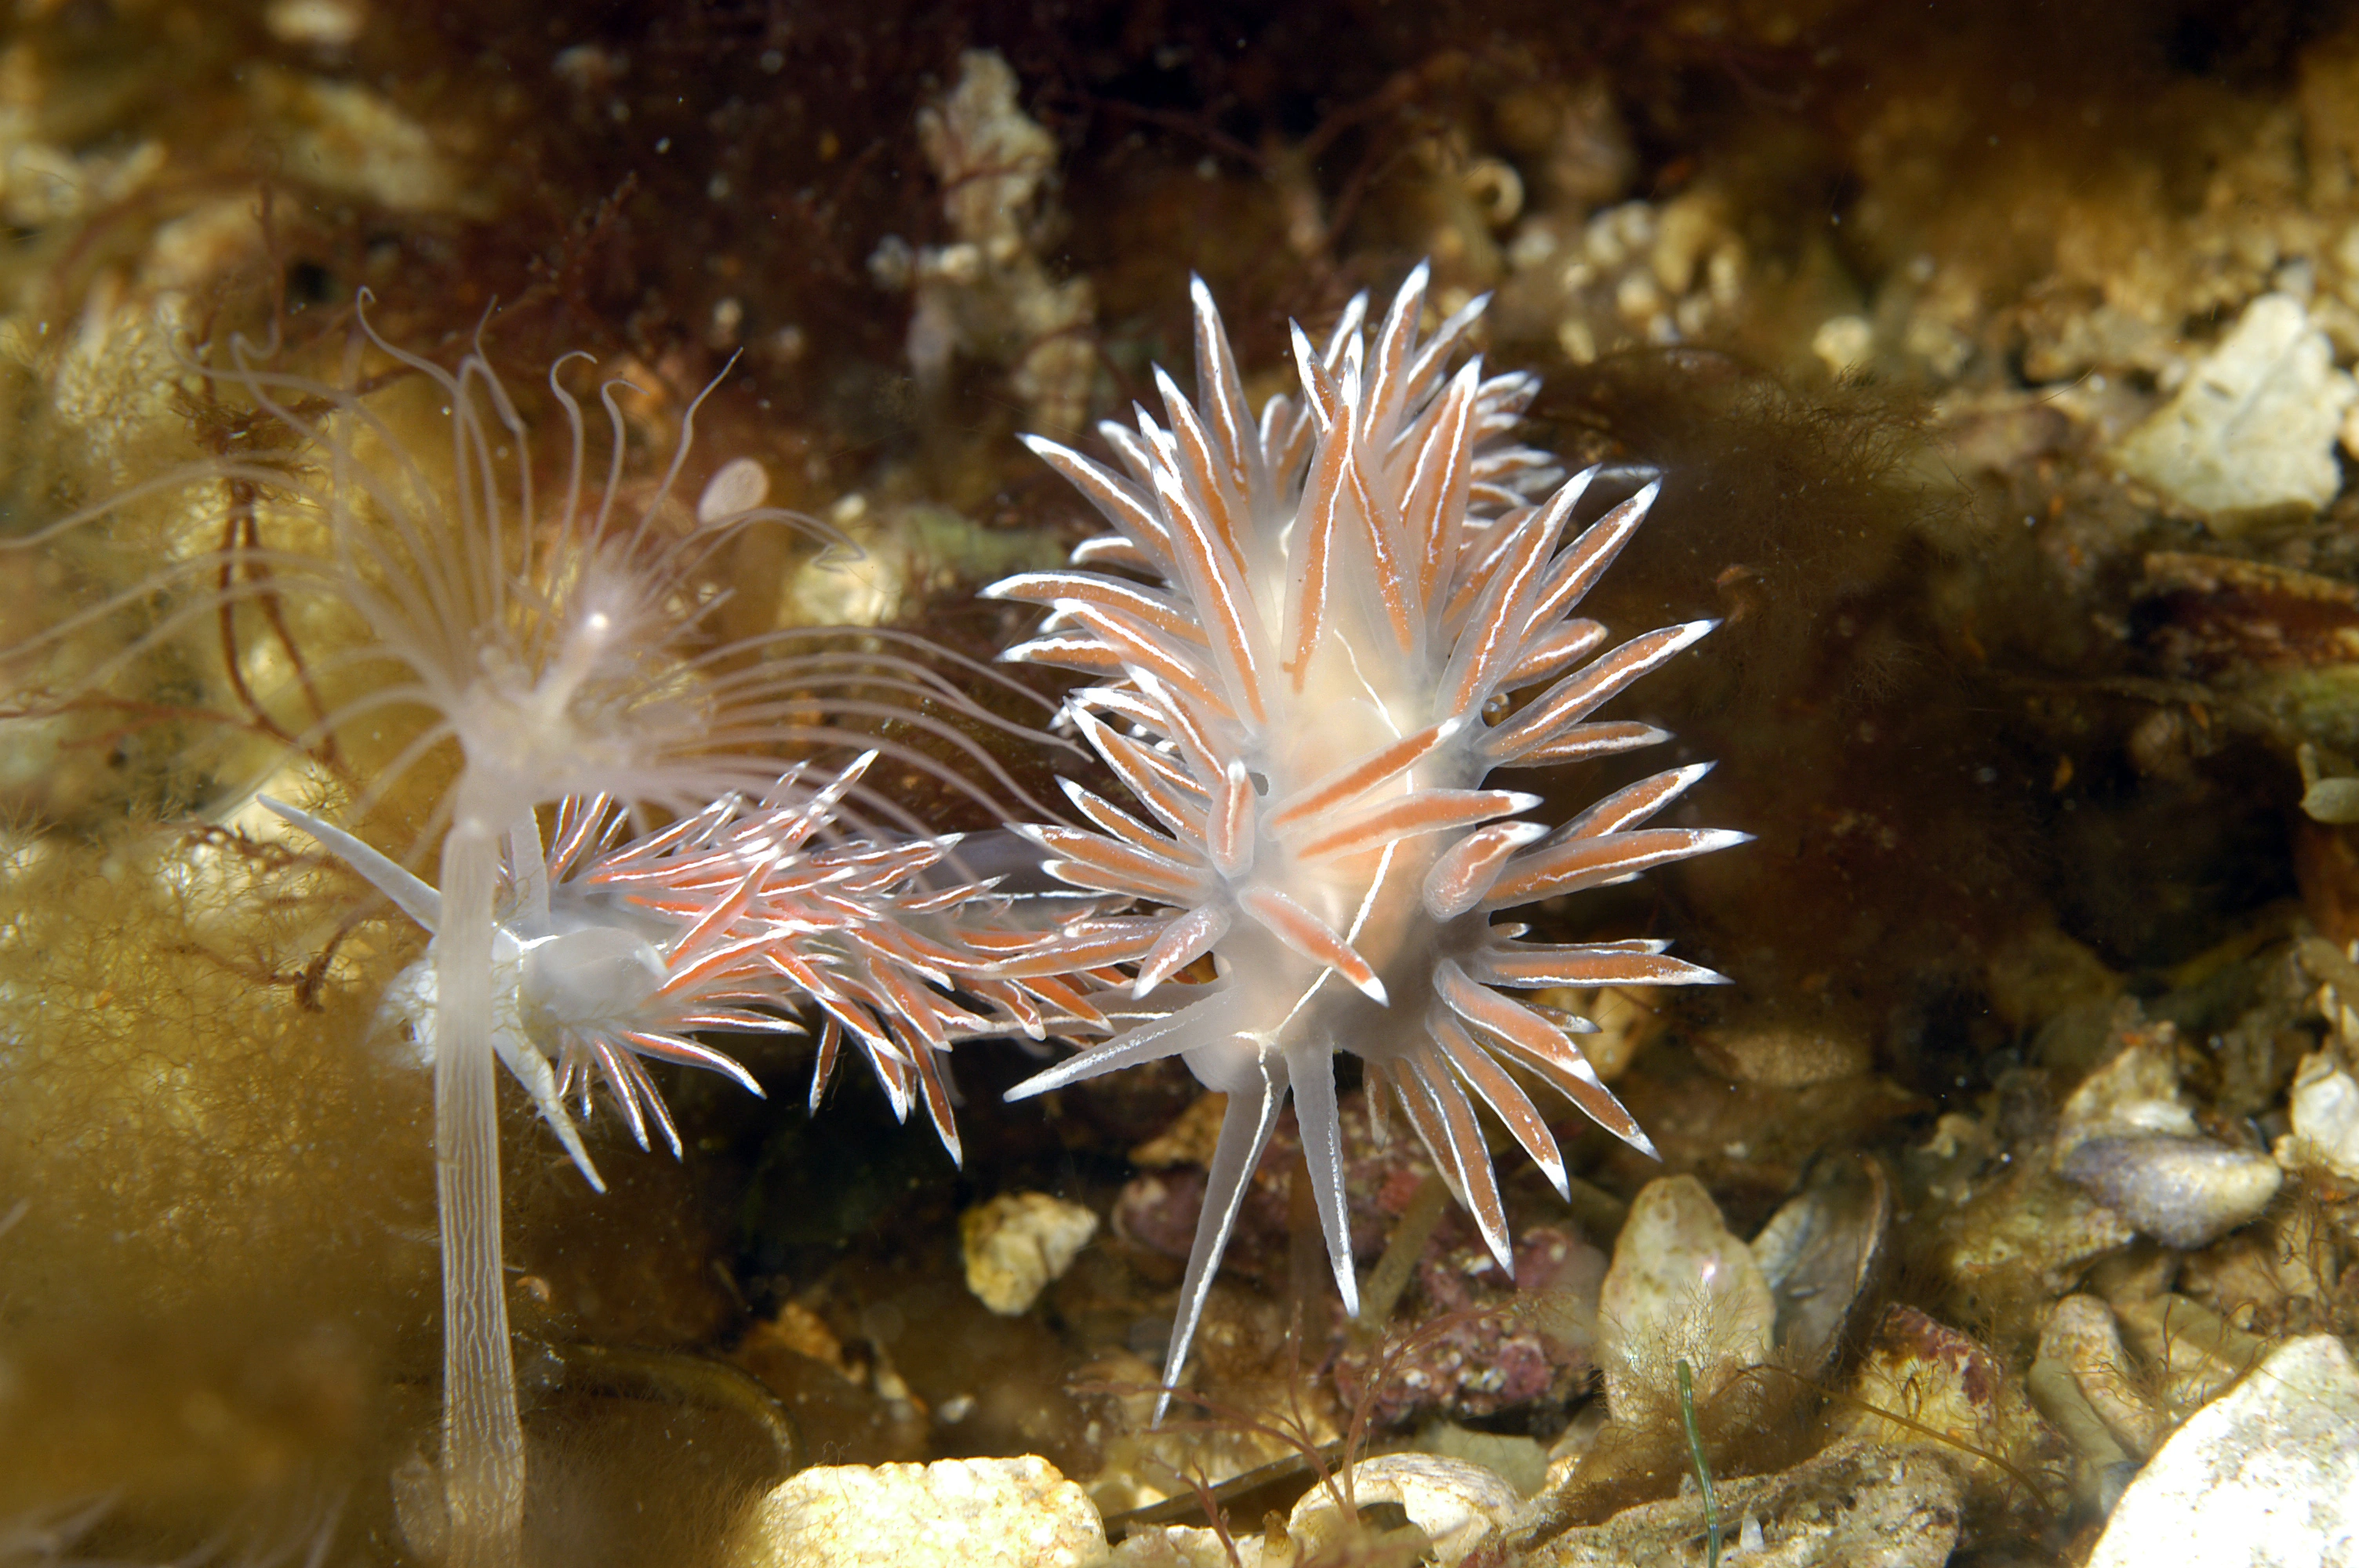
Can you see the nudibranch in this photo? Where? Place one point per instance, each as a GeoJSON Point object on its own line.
{"type": "Point", "coordinates": [1312, 638]}
{"type": "Point", "coordinates": [611, 951]}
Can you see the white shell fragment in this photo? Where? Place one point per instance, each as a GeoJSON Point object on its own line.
{"type": "Point", "coordinates": [2325, 1113]}
{"type": "Point", "coordinates": [1460, 1506]}
{"type": "Point", "coordinates": [2268, 1474]}
{"type": "Point", "coordinates": [2135, 1090]}
{"type": "Point", "coordinates": [2255, 427]}
{"type": "Point", "coordinates": [956, 1513]}
{"type": "Point", "coordinates": [1018, 1243]}
{"type": "Point", "coordinates": [1681, 1288]}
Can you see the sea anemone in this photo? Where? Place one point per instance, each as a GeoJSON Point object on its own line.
{"type": "Point", "coordinates": [536, 647]}
{"type": "Point", "coordinates": [1336, 622]}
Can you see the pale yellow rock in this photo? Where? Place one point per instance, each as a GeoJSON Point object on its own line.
{"type": "Point", "coordinates": [989, 294]}
{"type": "Point", "coordinates": [1627, 1017]}
{"type": "Point", "coordinates": [1018, 1243]}
{"type": "Point", "coordinates": [191, 251]}
{"type": "Point", "coordinates": [957, 1513]}
{"type": "Point", "coordinates": [319, 24]}
{"type": "Point", "coordinates": [1842, 343]}
{"type": "Point", "coordinates": [342, 138]}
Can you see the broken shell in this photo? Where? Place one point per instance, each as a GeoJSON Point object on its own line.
{"type": "Point", "coordinates": [2083, 1338]}
{"type": "Point", "coordinates": [2324, 1106]}
{"type": "Point", "coordinates": [1460, 1506]}
{"type": "Point", "coordinates": [1821, 1253]}
{"type": "Point", "coordinates": [2184, 1191]}
{"type": "Point", "coordinates": [2135, 1090]}
{"type": "Point", "coordinates": [1681, 1288]}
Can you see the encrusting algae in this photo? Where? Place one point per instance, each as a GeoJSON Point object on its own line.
{"type": "Point", "coordinates": [369, 709]}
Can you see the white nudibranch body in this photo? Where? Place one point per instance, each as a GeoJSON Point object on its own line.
{"type": "Point", "coordinates": [1300, 631]}
{"type": "Point", "coordinates": [583, 985]}
{"type": "Point", "coordinates": [614, 951]}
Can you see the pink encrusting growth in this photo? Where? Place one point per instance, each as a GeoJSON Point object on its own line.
{"type": "Point", "coordinates": [1304, 680]}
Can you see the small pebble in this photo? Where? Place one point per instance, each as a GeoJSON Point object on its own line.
{"type": "Point", "coordinates": [2184, 1191]}
{"type": "Point", "coordinates": [957, 1513]}
{"type": "Point", "coordinates": [1681, 1288]}
{"type": "Point", "coordinates": [1018, 1243]}
{"type": "Point", "coordinates": [2082, 1337]}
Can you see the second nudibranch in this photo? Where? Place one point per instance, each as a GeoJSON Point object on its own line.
{"type": "Point", "coordinates": [611, 952]}
{"type": "Point", "coordinates": [1313, 634]}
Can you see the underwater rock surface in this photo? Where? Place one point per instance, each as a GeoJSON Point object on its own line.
{"type": "Point", "coordinates": [2267, 1475]}
{"type": "Point", "coordinates": [2257, 423]}
{"type": "Point", "coordinates": [1850, 1505]}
